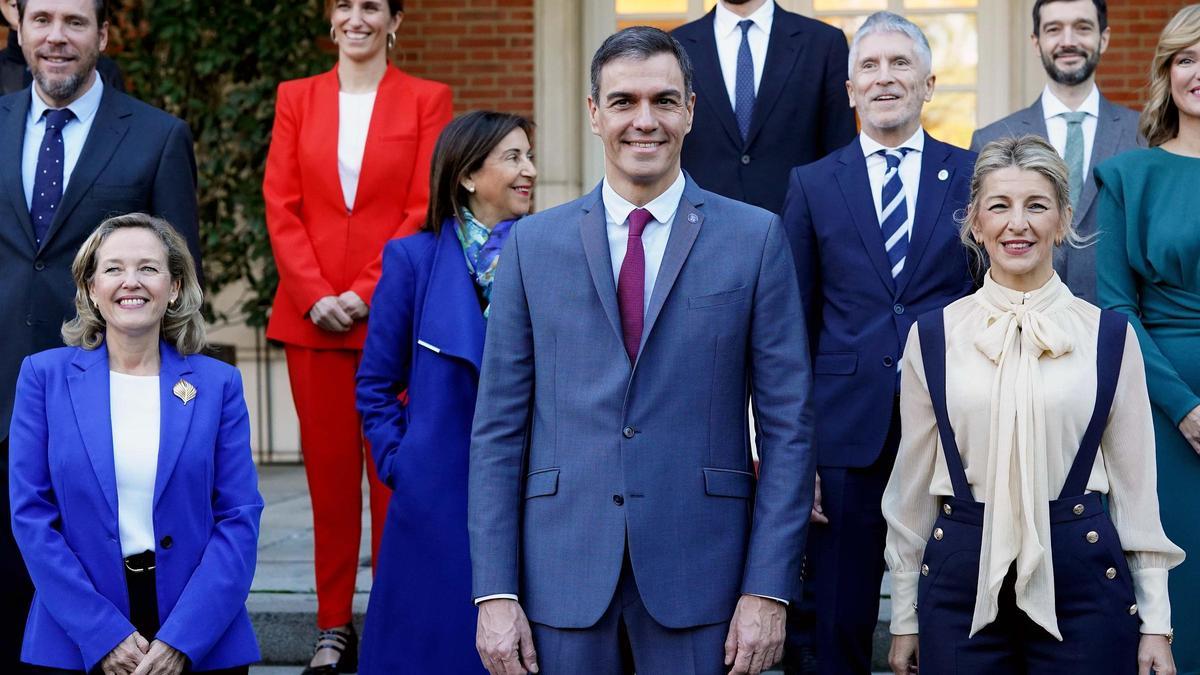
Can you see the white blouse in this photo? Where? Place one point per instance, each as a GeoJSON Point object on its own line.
{"type": "Point", "coordinates": [1018, 435]}
{"type": "Point", "coordinates": [354, 119]}
{"type": "Point", "coordinates": [134, 404]}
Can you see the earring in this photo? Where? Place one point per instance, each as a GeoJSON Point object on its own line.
{"type": "Point", "coordinates": [470, 188]}
{"type": "Point", "coordinates": [332, 35]}
{"type": "Point", "coordinates": [391, 41]}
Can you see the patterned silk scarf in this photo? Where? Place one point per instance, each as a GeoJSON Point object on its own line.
{"type": "Point", "coordinates": [481, 247]}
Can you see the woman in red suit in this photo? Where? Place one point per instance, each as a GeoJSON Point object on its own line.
{"type": "Point", "coordinates": [348, 170]}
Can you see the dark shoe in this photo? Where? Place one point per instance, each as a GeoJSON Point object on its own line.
{"type": "Point", "coordinates": [345, 644]}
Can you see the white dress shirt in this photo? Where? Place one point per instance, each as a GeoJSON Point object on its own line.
{"type": "Point", "coordinates": [729, 41]}
{"type": "Point", "coordinates": [910, 172]}
{"type": "Point", "coordinates": [74, 134]}
{"type": "Point", "coordinates": [1056, 127]}
{"type": "Point", "coordinates": [134, 403]}
{"type": "Point", "coordinates": [654, 237]}
{"type": "Point", "coordinates": [354, 119]}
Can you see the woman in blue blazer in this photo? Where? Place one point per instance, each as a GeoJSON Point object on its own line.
{"type": "Point", "coordinates": [425, 338]}
{"type": "Point", "coordinates": [134, 496]}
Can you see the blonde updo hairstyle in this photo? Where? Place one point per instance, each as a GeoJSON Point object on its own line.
{"type": "Point", "coordinates": [1159, 121]}
{"type": "Point", "coordinates": [182, 325]}
{"type": "Point", "coordinates": [1028, 153]}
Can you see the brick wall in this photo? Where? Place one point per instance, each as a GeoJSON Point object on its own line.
{"type": "Point", "coordinates": [481, 48]}
{"type": "Point", "coordinates": [1135, 25]}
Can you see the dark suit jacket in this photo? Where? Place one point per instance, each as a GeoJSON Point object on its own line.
{"type": "Point", "coordinates": [800, 115]}
{"type": "Point", "coordinates": [1116, 132]}
{"type": "Point", "coordinates": [576, 453]}
{"type": "Point", "coordinates": [136, 158]}
{"type": "Point", "coordinates": [858, 316]}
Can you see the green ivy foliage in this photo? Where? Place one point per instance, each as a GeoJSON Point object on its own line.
{"type": "Point", "coordinates": [216, 65]}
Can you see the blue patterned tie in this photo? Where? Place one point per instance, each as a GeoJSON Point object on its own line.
{"type": "Point", "coordinates": [1073, 153]}
{"type": "Point", "coordinates": [48, 179]}
{"type": "Point", "coordinates": [743, 88]}
{"type": "Point", "coordinates": [894, 215]}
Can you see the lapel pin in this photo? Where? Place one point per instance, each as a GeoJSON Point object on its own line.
{"type": "Point", "coordinates": [943, 174]}
{"type": "Point", "coordinates": [184, 390]}
{"type": "Point", "coordinates": [693, 218]}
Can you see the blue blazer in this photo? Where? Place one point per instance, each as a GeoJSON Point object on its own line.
{"type": "Point", "coordinates": [858, 316]}
{"type": "Point", "coordinates": [64, 511]}
{"type": "Point", "coordinates": [576, 451]}
{"type": "Point", "coordinates": [424, 336]}
{"type": "Point", "coordinates": [800, 115]}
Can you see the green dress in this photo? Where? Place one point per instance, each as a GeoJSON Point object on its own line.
{"type": "Point", "coordinates": [1148, 266]}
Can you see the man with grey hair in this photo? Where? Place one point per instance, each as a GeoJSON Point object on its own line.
{"type": "Point", "coordinates": [613, 497]}
{"type": "Point", "coordinates": [1083, 126]}
{"type": "Point", "coordinates": [872, 227]}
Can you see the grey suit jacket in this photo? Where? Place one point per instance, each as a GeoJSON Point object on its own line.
{"type": "Point", "coordinates": [575, 451]}
{"type": "Point", "coordinates": [1116, 132]}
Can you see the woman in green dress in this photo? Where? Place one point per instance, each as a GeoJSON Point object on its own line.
{"type": "Point", "coordinates": [1148, 260]}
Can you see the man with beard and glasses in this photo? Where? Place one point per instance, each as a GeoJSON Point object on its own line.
{"type": "Point", "coordinates": [1083, 126]}
{"type": "Point", "coordinates": [768, 97]}
{"type": "Point", "coordinates": [79, 151]}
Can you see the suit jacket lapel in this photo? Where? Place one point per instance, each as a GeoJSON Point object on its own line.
{"type": "Point", "coordinates": [12, 146]}
{"type": "Point", "coordinates": [1033, 119]}
{"type": "Point", "coordinates": [684, 230]}
{"type": "Point", "coordinates": [452, 321]}
{"type": "Point", "coordinates": [855, 186]}
{"type": "Point", "coordinates": [1109, 137]}
{"type": "Point", "coordinates": [707, 67]}
{"type": "Point", "coordinates": [108, 129]}
{"type": "Point", "coordinates": [393, 102]}
{"type": "Point", "coordinates": [931, 195]}
{"type": "Point", "coordinates": [593, 228]}
{"type": "Point", "coordinates": [175, 416]}
{"type": "Point", "coordinates": [783, 51]}
{"type": "Point", "coordinates": [90, 400]}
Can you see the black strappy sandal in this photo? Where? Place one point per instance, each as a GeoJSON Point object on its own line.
{"type": "Point", "coordinates": [345, 644]}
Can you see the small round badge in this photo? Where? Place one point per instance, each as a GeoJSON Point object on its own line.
{"type": "Point", "coordinates": [693, 218]}
{"type": "Point", "coordinates": [943, 174]}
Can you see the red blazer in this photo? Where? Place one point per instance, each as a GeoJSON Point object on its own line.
{"type": "Point", "coordinates": [321, 247]}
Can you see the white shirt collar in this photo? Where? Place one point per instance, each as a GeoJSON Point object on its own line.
{"type": "Point", "coordinates": [871, 146]}
{"type": "Point", "coordinates": [726, 21]}
{"type": "Point", "coordinates": [662, 207]}
{"type": "Point", "coordinates": [1052, 107]}
{"type": "Point", "coordinates": [84, 107]}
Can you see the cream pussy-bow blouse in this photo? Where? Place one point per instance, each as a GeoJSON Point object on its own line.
{"type": "Point", "coordinates": [1020, 389]}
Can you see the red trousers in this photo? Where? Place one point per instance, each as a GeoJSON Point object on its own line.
{"type": "Point", "coordinates": [334, 452]}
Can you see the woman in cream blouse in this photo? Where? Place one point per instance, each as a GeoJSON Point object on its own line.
{"type": "Point", "coordinates": [1020, 406]}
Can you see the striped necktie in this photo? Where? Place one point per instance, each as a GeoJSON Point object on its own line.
{"type": "Point", "coordinates": [894, 220]}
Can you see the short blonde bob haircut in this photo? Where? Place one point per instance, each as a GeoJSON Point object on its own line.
{"type": "Point", "coordinates": [182, 325]}
{"type": "Point", "coordinates": [1159, 122]}
{"type": "Point", "coordinates": [1028, 153]}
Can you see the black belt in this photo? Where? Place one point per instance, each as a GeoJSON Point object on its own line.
{"type": "Point", "coordinates": [140, 563]}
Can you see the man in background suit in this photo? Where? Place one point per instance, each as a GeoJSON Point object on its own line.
{"type": "Point", "coordinates": [612, 489]}
{"type": "Point", "coordinates": [769, 97]}
{"type": "Point", "coordinates": [873, 230]}
{"type": "Point", "coordinates": [14, 71]}
{"type": "Point", "coordinates": [79, 151]}
{"type": "Point", "coordinates": [1085, 127]}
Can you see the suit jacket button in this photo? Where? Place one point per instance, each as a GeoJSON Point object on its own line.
{"type": "Point", "coordinates": [166, 541]}
{"type": "Point", "coordinates": [1078, 510]}
{"type": "Point", "coordinates": [947, 509]}
{"type": "Point", "coordinates": [628, 432]}
{"type": "Point", "coordinates": [39, 265]}
{"type": "Point", "coordinates": [938, 534]}
{"type": "Point", "coordinates": [898, 308]}
{"type": "Point", "coordinates": [1092, 537]}
{"type": "Point", "coordinates": [28, 319]}
{"type": "Point", "coordinates": [745, 159]}
{"type": "Point", "coordinates": [1111, 573]}
{"type": "Point", "coordinates": [618, 500]}
{"type": "Point", "coordinates": [924, 570]}
{"type": "Point", "coordinates": [888, 362]}
{"type": "Point", "coordinates": [1132, 610]}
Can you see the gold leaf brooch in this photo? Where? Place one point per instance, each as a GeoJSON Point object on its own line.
{"type": "Point", "coordinates": [184, 390]}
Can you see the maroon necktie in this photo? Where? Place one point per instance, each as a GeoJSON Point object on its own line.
{"type": "Point", "coordinates": [631, 284]}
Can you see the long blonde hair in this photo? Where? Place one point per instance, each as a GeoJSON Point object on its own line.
{"type": "Point", "coordinates": [1159, 122]}
{"type": "Point", "coordinates": [1028, 153]}
{"type": "Point", "coordinates": [182, 325]}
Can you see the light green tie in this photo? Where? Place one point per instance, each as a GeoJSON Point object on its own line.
{"type": "Point", "coordinates": [1073, 154]}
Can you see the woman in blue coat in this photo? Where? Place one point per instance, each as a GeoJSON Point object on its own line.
{"type": "Point", "coordinates": [134, 496]}
{"type": "Point", "coordinates": [416, 392]}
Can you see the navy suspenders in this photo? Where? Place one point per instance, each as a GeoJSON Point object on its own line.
{"type": "Point", "coordinates": [1110, 349]}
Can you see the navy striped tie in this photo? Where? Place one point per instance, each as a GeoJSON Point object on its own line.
{"type": "Point", "coordinates": [893, 218]}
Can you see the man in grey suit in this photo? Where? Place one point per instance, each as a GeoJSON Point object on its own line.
{"type": "Point", "coordinates": [613, 496]}
{"type": "Point", "coordinates": [1085, 127]}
